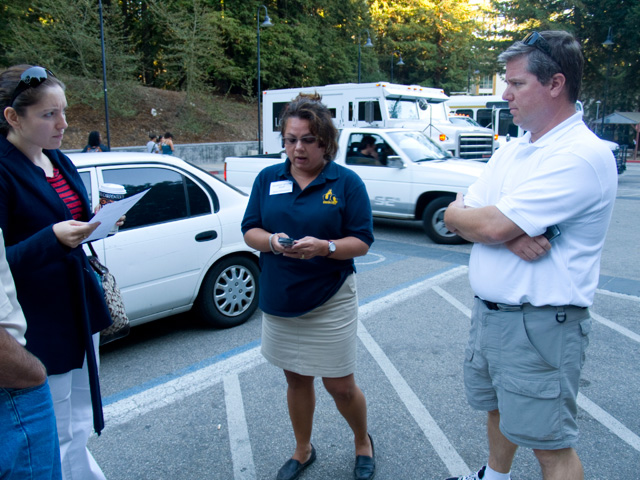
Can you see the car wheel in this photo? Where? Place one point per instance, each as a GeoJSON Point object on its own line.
{"type": "Point", "coordinates": [433, 222]}
{"type": "Point", "coordinates": [229, 293]}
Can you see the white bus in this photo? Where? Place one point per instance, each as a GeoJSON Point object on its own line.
{"type": "Point", "coordinates": [490, 111]}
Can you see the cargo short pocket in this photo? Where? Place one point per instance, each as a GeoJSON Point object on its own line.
{"type": "Point", "coordinates": [529, 409]}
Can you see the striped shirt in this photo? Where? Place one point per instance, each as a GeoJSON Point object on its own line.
{"type": "Point", "coordinates": [68, 196]}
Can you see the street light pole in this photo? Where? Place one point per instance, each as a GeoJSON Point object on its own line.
{"type": "Point", "coordinates": [266, 23]}
{"type": "Point", "coordinates": [368, 44]}
{"type": "Point", "coordinates": [608, 44]}
{"type": "Point", "coordinates": [400, 62]}
{"type": "Point", "coordinates": [104, 76]}
{"type": "Point", "coordinates": [598, 102]}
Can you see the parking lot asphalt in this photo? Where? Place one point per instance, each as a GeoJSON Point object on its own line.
{"type": "Point", "coordinates": [186, 402]}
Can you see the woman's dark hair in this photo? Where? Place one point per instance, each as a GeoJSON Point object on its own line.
{"type": "Point", "coordinates": [94, 139]}
{"type": "Point", "coordinates": [9, 80]}
{"type": "Point", "coordinates": [168, 135]}
{"type": "Point", "coordinates": [309, 107]}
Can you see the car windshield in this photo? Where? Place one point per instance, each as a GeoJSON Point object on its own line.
{"type": "Point", "coordinates": [418, 147]}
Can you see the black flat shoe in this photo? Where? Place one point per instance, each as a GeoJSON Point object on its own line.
{"type": "Point", "coordinates": [293, 468]}
{"type": "Point", "coordinates": [365, 468]}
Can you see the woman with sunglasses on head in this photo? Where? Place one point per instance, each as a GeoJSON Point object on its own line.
{"type": "Point", "coordinates": [307, 287]}
{"type": "Point", "coordinates": [44, 209]}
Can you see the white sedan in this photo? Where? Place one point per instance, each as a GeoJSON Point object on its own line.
{"type": "Point", "coordinates": [181, 245]}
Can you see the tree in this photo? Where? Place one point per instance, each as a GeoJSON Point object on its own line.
{"type": "Point", "coordinates": [435, 38]}
{"type": "Point", "coordinates": [589, 21]}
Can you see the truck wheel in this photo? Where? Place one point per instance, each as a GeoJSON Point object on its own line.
{"type": "Point", "coordinates": [229, 293]}
{"type": "Point", "coordinates": [433, 222]}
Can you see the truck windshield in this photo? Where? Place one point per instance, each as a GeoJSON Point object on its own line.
{"type": "Point", "coordinates": [412, 108]}
{"type": "Point", "coordinates": [403, 108]}
{"type": "Point", "coordinates": [418, 147]}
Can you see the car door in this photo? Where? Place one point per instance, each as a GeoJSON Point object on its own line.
{"type": "Point", "coordinates": [167, 242]}
{"type": "Point", "coordinates": [388, 185]}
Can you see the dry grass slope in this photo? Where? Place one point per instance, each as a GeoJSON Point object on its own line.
{"type": "Point", "coordinates": [207, 119]}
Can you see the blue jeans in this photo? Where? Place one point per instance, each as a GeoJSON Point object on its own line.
{"type": "Point", "coordinates": [28, 436]}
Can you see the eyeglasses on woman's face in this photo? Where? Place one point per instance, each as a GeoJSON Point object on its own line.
{"type": "Point", "coordinates": [31, 78]}
{"type": "Point", "coordinates": [306, 140]}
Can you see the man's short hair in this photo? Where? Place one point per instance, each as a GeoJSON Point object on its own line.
{"type": "Point", "coordinates": [367, 140]}
{"type": "Point", "coordinates": [565, 56]}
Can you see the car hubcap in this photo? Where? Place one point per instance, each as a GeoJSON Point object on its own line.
{"type": "Point", "coordinates": [438, 223]}
{"type": "Point", "coordinates": [234, 290]}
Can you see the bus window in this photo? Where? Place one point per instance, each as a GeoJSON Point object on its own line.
{"type": "Point", "coordinates": [506, 125]}
{"type": "Point", "coordinates": [369, 111]}
{"type": "Point", "coordinates": [483, 116]}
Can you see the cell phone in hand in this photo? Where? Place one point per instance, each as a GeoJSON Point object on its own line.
{"type": "Point", "coordinates": [285, 242]}
{"type": "Point", "coordinates": [552, 232]}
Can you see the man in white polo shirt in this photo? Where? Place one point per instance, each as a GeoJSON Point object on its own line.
{"type": "Point", "coordinates": [538, 216]}
{"type": "Point", "coordinates": [28, 435]}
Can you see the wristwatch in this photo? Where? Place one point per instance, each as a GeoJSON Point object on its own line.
{"type": "Point", "coordinates": [332, 248]}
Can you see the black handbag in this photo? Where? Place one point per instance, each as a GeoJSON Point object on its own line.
{"type": "Point", "coordinates": [112, 296]}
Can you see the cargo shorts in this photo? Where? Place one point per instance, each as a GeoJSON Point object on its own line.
{"type": "Point", "coordinates": [525, 362]}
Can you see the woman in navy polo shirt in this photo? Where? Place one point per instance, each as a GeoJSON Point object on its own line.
{"type": "Point", "coordinates": [307, 288]}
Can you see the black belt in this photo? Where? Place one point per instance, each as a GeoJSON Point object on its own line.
{"type": "Point", "coordinates": [561, 315]}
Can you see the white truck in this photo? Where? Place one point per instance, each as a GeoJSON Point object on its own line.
{"type": "Point", "coordinates": [412, 179]}
{"type": "Point", "coordinates": [493, 112]}
{"type": "Point", "coordinates": [386, 105]}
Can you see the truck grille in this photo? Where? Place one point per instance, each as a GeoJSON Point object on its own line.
{"type": "Point", "coordinates": [476, 146]}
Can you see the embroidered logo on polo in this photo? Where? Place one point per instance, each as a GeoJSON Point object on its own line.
{"type": "Point", "coordinates": [329, 198]}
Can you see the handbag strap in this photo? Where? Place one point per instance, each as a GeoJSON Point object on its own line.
{"type": "Point", "coordinates": [93, 252]}
{"type": "Point", "coordinates": [94, 261]}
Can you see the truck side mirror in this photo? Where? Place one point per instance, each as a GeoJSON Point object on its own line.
{"type": "Point", "coordinates": [394, 161]}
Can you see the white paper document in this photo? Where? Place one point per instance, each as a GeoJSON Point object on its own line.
{"type": "Point", "coordinates": [110, 213]}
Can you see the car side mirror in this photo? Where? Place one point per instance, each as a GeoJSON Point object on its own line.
{"type": "Point", "coordinates": [394, 161]}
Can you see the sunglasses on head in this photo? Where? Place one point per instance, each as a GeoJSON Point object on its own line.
{"type": "Point", "coordinates": [534, 39]}
{"type": "Point", "coordinates": [31, 78]}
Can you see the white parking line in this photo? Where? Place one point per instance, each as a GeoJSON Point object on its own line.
{"type": "Point", "coordinates": [623, 296]}
{"type": "Point", "coordinates": [418, 411]}
{"type": "Point", "coordinates": [614, 326]}
{"type": "Point", "coordinates": [609, 422]}
{"type": "Point", "coordinates": [227, 370]}
{"type": "Point", "coordinates": [241, 453]}
{"type": "Point", "coordinates": [453, 301]}
{"type": "Point", "coordinates": [600, 415]}
{"type": "Point", "coordinates": [174, 390]}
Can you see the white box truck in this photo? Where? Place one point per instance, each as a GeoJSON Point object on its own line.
{"type": "Point", "coordinates": [386, 105]}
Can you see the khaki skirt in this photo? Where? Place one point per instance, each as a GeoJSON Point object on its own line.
{"type": "Point", "coordinates": [321, 343]}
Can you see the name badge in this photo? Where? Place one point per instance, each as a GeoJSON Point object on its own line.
{"type": "Point", "coordinates": [283, 186]}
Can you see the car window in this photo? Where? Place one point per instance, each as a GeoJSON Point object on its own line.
{"type": "Point", "coordinates": [86, 179]}
{"type": "Point", "coordinates": [358, 142]}
{"type": "Point", "coordinates": [173, 196]}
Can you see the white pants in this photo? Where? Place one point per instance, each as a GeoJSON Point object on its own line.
{"type": "Point", "coordinates": [74, 416]}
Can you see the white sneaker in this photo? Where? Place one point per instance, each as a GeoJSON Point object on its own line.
{"type": "Point", "coordinates": [479, 475]}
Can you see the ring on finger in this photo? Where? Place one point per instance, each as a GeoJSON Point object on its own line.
{"type": "Point", "coordinates": [302, 257]}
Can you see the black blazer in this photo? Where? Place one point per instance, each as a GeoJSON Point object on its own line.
{"type": "Point", "coordinates": [49, 276]}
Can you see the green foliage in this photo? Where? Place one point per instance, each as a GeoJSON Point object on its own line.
{"type": "Point", "coordinates": [589, 21]}
{"type": "Point", "coordinates": [200, 45]}
{"type": "Point", "coordinates": [436, 40]}
{"type": "Point", "coordinates": [65, 37]}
